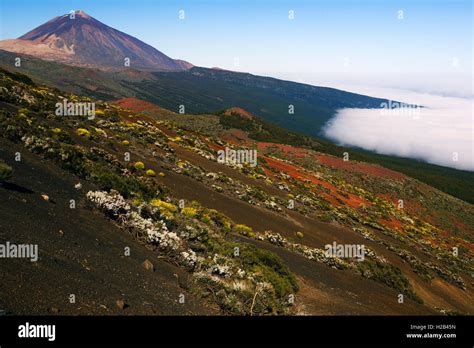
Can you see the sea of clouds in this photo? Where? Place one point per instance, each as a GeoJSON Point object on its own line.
{"type": "Point", "coordinates": [438, 133]}
{"type": "Point", "coordinates": [441, 132]}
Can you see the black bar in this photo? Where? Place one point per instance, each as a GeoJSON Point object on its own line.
{"type": "Point", "coordinates": [241, 330]}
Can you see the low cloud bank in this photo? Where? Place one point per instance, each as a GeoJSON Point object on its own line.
{"type": "Point", "coordinates": [440, 133]}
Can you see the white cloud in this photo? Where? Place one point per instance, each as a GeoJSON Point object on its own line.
{"type": "Point", "coordinates": [435, 133]}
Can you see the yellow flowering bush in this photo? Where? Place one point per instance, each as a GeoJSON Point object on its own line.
{"type": "Point", "coordinates": [139, 165]}
{"type": "Point", "coordinates": [243, 229]}
{"type": "Point", "coordinates": [83, 132]}
{"type": "Point", "coordinates": [163, 205]}
{"type": "Point", "coordinates": [189, 212]}
{"type": "Point", "coordinates": [150, 172]}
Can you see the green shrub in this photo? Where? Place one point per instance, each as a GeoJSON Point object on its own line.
{"type": "Point", "coordinates": [5, 172]}
{"type": "Point", "coordinates": [126, 186]}
{"type": "Point", "coordinates": [205, 218]}
{"type": "Point", "coordinates": [73, 159]}
{"type": "Point", "coordinates": [388, 274]}
{"type": "Point", "coordinates": [272, 269]}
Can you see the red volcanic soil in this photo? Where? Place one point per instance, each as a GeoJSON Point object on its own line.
{"type": "Point", "coordinates": [391, 223]}
{"type": "Point", "coordinates": [411, 206]}
{"type": "Point", "coordinates": [137, 105]}
{"type": "Point", "coordinates": [240, 111]}
{"type": "Point", "coordinates": [237, 137]}
{"type": "Point", "coordinates": [214, 146]}
{"type": "Point", "coordinates": [359, 167]}
{"type": "Point", "coordinates": [284, 167]}
{"type": "Point", "coordinates": [356, 201]}
{"type": "Point", "coordinates": [287, 149]}
{"type": "Point", "coordinates": [335, 198]}
{"type": "Point", "coordinates": [268, 172]}
{"type": "Point", "coordinates": [461, 226]}
{"type": "Point", "coordinates": [330, 199]}
{"type": "Point", "coordinates": [390, 197]}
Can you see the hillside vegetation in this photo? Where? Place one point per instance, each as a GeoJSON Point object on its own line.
{"type": "Point", "coordinates": [251, 239]}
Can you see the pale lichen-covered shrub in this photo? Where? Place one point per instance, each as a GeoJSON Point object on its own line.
{"type": "Point", "coordinates": [151, 230]}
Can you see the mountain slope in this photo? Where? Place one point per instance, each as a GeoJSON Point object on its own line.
{"type": "Point", "coordinates": [281, 248]}
{"type": "Point", "coordinates": [202, 90]}
{"type": "Point", "coordinates": [457, 183]}
{"type": "Point", "coordinates": [171, 90]}
{"type": "Point", "coordinates": [85, 41]}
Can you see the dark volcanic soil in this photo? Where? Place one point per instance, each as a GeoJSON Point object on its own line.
{"type": "Point", "coordinates": [85, 259]}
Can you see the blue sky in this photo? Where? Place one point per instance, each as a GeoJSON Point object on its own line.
{"type": "Point", "coordinates": [342, 38]}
